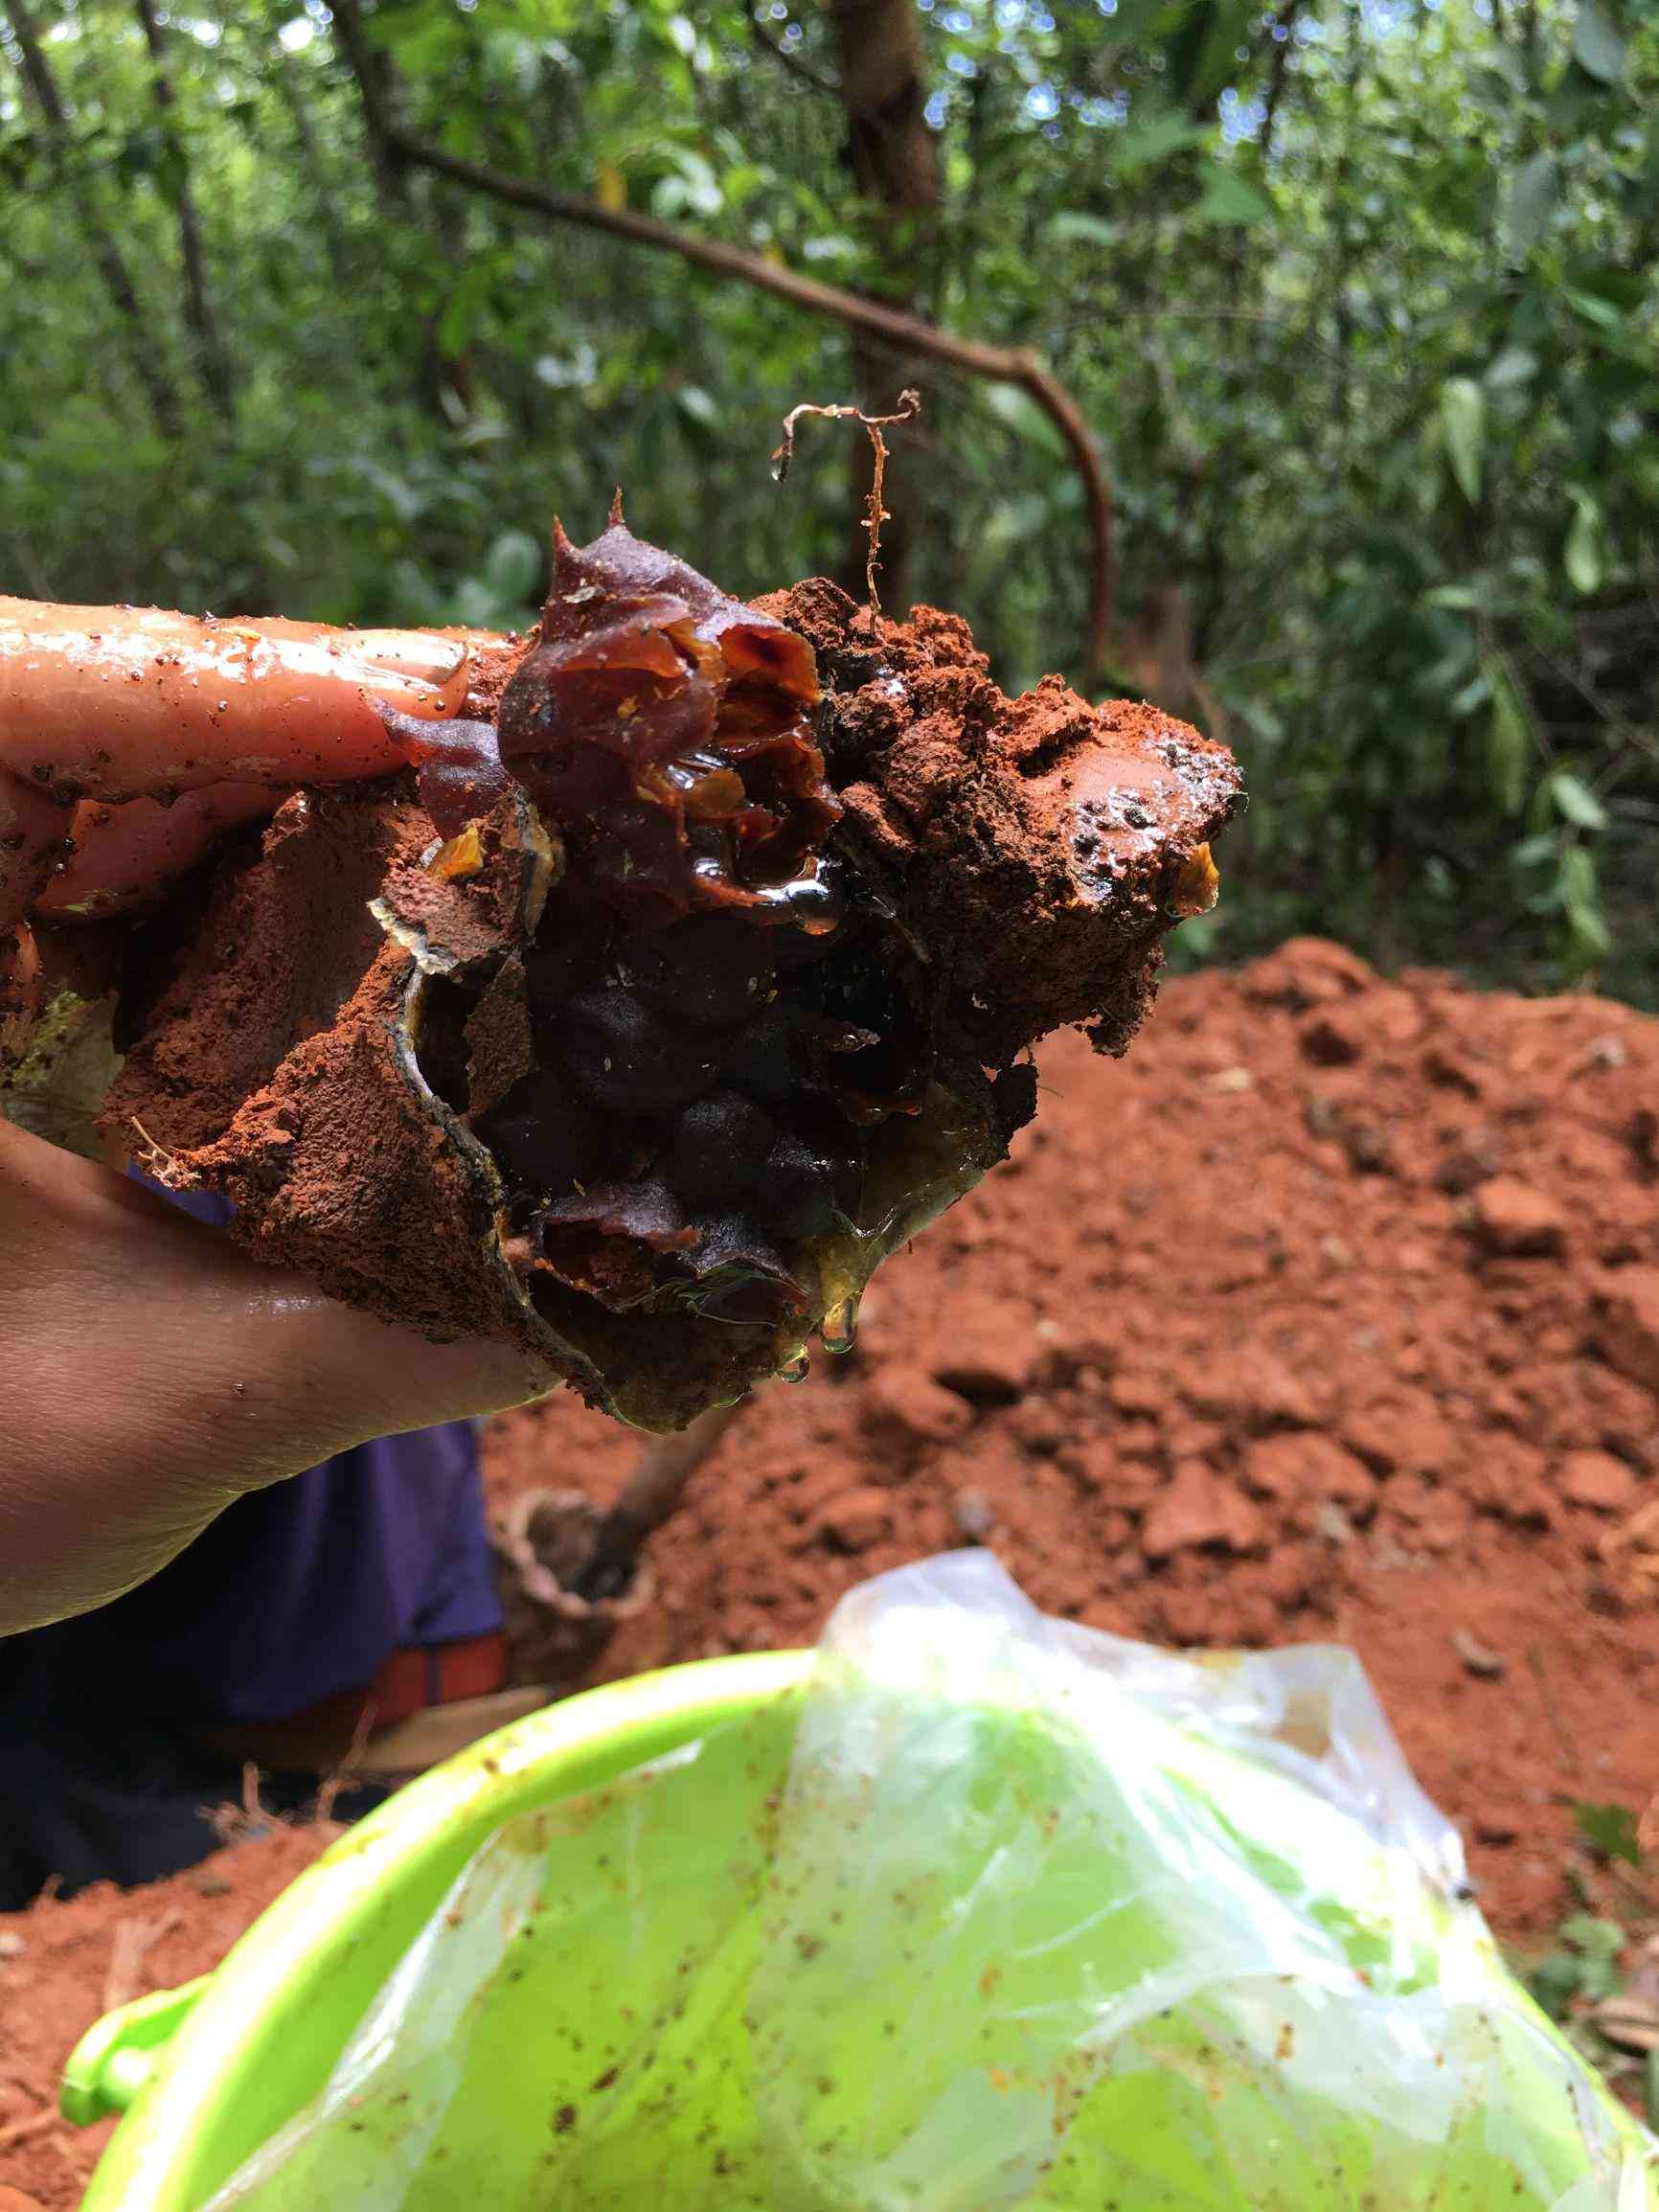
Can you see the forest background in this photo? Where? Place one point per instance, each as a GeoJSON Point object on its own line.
{"type": "Point", "coordinates": [1296, 368]}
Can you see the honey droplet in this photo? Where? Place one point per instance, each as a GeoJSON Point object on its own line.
{"type": "Point", "coordinates": [839, 1327]}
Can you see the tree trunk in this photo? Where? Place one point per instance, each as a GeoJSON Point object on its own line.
{"type": "Point", "coordinates": [894, 165]}
{"type": "Point", "coordinates": [146, 356]}
{"type": "Point", "coordinates": [378, 92]}
{"type": "Point", "coordinates": [313, 169]}
{"type": "Point", "coordinates": [212, 362]}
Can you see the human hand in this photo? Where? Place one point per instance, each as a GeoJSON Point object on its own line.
{"type": "Point", "coordinates": [157, 1372]}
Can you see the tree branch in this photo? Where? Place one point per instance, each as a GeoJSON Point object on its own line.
{"type": "Point", "coordinates": [376, 88]}
{"type": "Point", "coordinates": [908, 334]}
{"type": "Point", "coordinates": [142, 351]}
{"type": "Point", "coordinates": [212, 362]}
{"type": "Point", "coordinates": [795, 63]}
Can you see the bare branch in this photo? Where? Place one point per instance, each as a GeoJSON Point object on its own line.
{"type": "Point", "coordinates": [142, 351]}
{"type": "Point", "coordinates": [212, 362]}
{"type": "Point", "coordinates": [908, 334]}
{"type": "Point", "coordinates": [796, 64]}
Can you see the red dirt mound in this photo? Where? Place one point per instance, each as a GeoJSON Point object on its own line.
{"type": "Point", "coordinates": [1332, 1312]}
{"type": "Point", "coordinates": [63, 1963]}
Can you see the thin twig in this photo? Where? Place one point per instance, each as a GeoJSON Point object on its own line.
{"type": "Point", "coordinates": [1569, 1750]}
{"type": "Point", "coordinates": [650, 1495]}
{"type": "Point", "coordinates": [795, 63]}
{"type": "Point", "coordinates": [36, 2123]}
{"type": "Point", "coordinates": [133, 1942]}
{"type": "Point", "coordinates": [341, 1778]}
{"type": "Point", "coordinates": [875, 515]}
{"type": "Point", "coordinates": [159, 1164]}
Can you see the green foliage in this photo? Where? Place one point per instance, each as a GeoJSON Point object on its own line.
{"type": "Point", "coordinates": [1611, 1830]}
{"type": "Point", "coordinates": [1583, 1970]}
{"type": "Point", "coordinates": [1358, 297]}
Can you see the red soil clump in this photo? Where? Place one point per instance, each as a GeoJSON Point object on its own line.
{"type": "Point", "coordinates": [1333, 1312]}
{"type": "Point", "coordinates": [62, 1962]}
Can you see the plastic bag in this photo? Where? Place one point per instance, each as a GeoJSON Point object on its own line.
{"type": "Point", "coordinates": [1002, 1913]}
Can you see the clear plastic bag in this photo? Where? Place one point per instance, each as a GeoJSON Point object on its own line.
{"type": "Point", "coordinates": [1003, 1913]}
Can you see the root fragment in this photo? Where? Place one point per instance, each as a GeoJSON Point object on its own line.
{"type": "Point", "coordinates": [875, 515]}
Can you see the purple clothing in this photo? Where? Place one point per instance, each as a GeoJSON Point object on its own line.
{"type": "Point", "coordinates": [305, 1588]}
{"type": "Point", "coordinates": [297, 1591]}
{"type": "Point", "coordinates": [292, 1594]}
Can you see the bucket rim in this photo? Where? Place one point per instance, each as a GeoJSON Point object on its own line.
{"type": "Point", "coordinates": [639, 1718]}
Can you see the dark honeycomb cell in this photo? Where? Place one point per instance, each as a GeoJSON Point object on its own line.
{"type": "Point", "coordinates": [712, 970]}
{"type": "Point", "coordinates": [760, 1061]}
{"type": "Point", "coordinates": [860, 1035]}
{"type": "Point", "coordinates": [717, 1012]}
{"type": "Point", "coordinates": [668, 732]}
{"type": "Point", "coordinates": [721, 1144]}
{"type": "Point", "coordinates": [804, 1186]}
{"type": "Point", "coordinates": [737, 1274]}
{"type": "Point", "coordinates": [611, 1241]}
{"type": "Point", "coordinates": [566, 958]}
{"type": "Point", "coordinates": [629, 1058]}
{"type": "Point", "coordinates": [547, 1140]}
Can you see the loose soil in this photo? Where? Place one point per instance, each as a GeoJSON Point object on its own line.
{"type": "Point", "coordinates": [1333, 1312]}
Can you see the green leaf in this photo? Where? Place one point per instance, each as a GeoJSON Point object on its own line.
{"type": "Point", "coordinates": [1508, 741]}
{"type": "Point", "coordinates": [1023, 416]}
{"type": "Point", "coordinates": [1514, 365]}
{"type": "Point", "coordinates": [1582, 555]}
{"type": "Point", "coordinates": [699, 406]}
{"type": "Point", "coordinates": [1228, 28]}
{"type": "Point", "coordinates": [1555, 1983]}
{"type": "Point", "coordinates": [695, 189]}
{"type": "Point", "coordinates": [1463, 414]}
{"type": "Point", "coordinates": [1229, 200]}
{"type": "Point", "coordinates": [1530, 201]}
{"type": "Point", "coordinates": [1076, 227]}
{"type": "Point", "coordinates": [1582, 905]}
{"type": "Point", "coordinates": [1597, 45]}
{"type": "Point", "coordinates": [1610, 1830]}
{"type": "Point", "coordinates": [1602, 1940]}
{"type": "Point", "coordinates": [464, 307]}
{"type": "Point", "coordinates": [1592, 308]}
{"type": "Point", "coordinates": [1534, 852]}
{"type": "Point", "coordinates": [1575, 801]}
{"type": "Point", "coordinates": [1141, 144]}
{"type": "Point", "coordinates": [830, 246]}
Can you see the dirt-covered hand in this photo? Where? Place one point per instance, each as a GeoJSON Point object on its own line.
{"type": "Point", "coordinates": [156, 1372]}
{"type": "Point", "coordinates": [133, 734]}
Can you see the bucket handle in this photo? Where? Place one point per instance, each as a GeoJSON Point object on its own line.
{"type": "Point", "coordinates": [117, 2055]}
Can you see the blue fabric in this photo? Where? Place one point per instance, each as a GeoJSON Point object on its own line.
{"type": "Point", "coordinates": [297, 1591]}
{"type": "Point", "coordinates": [292, 1594]}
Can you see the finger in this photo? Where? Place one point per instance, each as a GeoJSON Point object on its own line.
{"type": "Point", "coordinates": [121, 703]}
{"type": "Point", "coordinates": [124, 855]}
{"type": "Point", "coordinates": [34, 838]}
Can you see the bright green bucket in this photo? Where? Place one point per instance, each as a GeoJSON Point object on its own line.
{"type": "Point", "coordinates": [206, 2073]}
{"type": "Point", "coordinates": [1098, 1870]}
